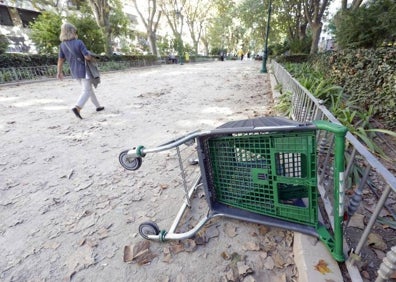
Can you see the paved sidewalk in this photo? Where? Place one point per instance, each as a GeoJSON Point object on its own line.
{"type": "Point", "coordinates": [68, 209]}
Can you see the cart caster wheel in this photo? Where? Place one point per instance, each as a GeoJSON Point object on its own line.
{"type": "Point", "coordinates": [127, 163]}
{"type": "Point", "coordinates": [148, 228]}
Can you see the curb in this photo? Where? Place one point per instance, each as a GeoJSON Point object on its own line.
{"type": "Point", "coordinates": [308, 252]}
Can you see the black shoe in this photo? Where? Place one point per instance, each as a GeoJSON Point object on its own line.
{"type": "Point", "coordinates": [99, 109]}
{"type": "Point", "coordinates": [77, 113]}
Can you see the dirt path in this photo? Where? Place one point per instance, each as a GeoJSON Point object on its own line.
{"type": "Point", "coordinates": [67, 207]}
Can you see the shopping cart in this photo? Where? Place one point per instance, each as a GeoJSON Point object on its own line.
{"type": "Point", "coordinates": [261, 170]}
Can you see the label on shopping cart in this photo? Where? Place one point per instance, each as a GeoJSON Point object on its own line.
{"type": "Point", "coordinates": [341, 195]}
{"type": "Point", "coordinates": [260, 175]}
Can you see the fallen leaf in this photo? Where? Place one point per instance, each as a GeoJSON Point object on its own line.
{"type": "Point", "coordinates": [167, 258]}
{"type": "Point", "coordinates": [243, 269]}
{"type": "Point", "coordinates": [231, 231]}
{"type": "Point", "coordinates": [380, 254]}
{"type": "Point", "coordinates": [366, 275]}
{"type": "Point", "coordinates": [230, 276]}
{"type": "Point", "coordinates": [251, 246]}
{"type": "Point", "coordinates": [279, 261]}
{"type": "Point", "coordinates": [81, 259]}
{"type": "Point", "coordinates": [225, 256]}
{"type": "Point", "coordinates": [212, 232]}
{"type": "Point", "coordinates": [376, 241]}
{"type": "Point", "coordinates": [269, 263]}
{"type": "Point", "coordinates": [322, 267]}
{"type": "Point", "coordinates": [189, 245]}
{"type": "Point", "coordinates": [164, 186]}
{"type": "Point", "coordinates": [139, 253]}
{"type": "Point", "coordinates": [177, 248]}
{"type": "Point", "coordinates": [200, 239]}
{"type": "Point", "coordinates": [263, 230]}
{"type": "Point", "coordinates": [357, 220]}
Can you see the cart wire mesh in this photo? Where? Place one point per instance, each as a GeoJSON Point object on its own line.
{"type": "Point", "coordinates": [266, 173]}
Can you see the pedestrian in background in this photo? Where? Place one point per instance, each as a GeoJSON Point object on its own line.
{"type": "Point", "coordinates": [74, 51]}
{"type": "Point", "coordinates": [240, 54]}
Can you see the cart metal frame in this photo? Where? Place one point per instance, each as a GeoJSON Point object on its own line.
{"type": "Point", "coordinates": [252, 129]}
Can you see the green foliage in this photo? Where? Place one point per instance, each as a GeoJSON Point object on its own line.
{"type": "Point", "coordinates": [293, 58]}
{"type": "Point", "coordinates": [215, 51]}
{"type": "Point", "coordinates": [164, 44]}
{"type": "Point", "coordinates": [315, 81]}
{"type": "Point", "coordinates": [25, 60]}
{"type": "Point", "coordinates": [368, 78]}
{"type": "Point", "coordinates": [370, 26]}
{"type": "Point", "coordinates": [284, 104]}
{"type": "Point", "coordinates": [88, 32]}
{"type": "Point", "coordinates": [45, 32]}
{"type": "Point", "coordinates": [300, 46]}
{"type": "Point", "coordinates": [46, 29]}
{"type": "Point", "coordinates": [3, 43]}
{"type": "Point", "coordinates": [118, 20]}
{"type": "Point", "coordinates": [220, 31]}
{"type": "Point", "coordinates": [278, 49]}
{"type": "Point", "coordinates": [368, 96]}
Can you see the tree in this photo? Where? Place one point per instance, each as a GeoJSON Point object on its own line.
{"type": "Point", "coordinates": [196, 15]}
{"type": "Point", "coordinates": [101, 10]}
{"type": "Point", "coordinates": [355, 4]}
{"type": "Point", "coordinates": [173, 11]}
{"type": "Point", "coordinates": [314, 12]}
{"type": "Point", "coordinates": [150, 23]}
{"type": "Point", "coordinates": [3, 43]}
{"type": "Point", "coordinates": [371, 25]}
{"type": "Point", "coordinates": [292, 20]}
{"type": "Point", "coordinates": [45, 32]}
{"type": "Point", "coordinates": [108, 15]}
{"type": "Point", "coordinates": [92, 38]}
{"type": "Point", "coordinates": [105, 11]}
{"type": "Point", "coordinates": [219, 33]}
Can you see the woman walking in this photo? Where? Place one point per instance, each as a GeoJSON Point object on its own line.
{"type": "Point", "coordinates": [75, 52]}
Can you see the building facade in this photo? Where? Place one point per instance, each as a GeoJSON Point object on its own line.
{"type": "Point", "coordinates": [14, 24]}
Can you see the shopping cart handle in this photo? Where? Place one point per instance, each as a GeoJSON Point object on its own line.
{"type": "Point", "coordinates": [337, 129]}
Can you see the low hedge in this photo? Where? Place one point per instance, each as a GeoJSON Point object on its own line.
{"type": "Point", "coordinates": [9, 60]}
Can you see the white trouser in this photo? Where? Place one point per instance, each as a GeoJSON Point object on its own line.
{"type": "Point", "coordinates": [86, 93]}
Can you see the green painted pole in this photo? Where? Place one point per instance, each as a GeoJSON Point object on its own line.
{"type": "Point", "coordinates": [265, 53]}
{"type": "Point", "coordinates": [339, 185]}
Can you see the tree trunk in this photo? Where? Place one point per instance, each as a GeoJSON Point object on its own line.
{"type": "Point", "coordinates": [316, 30]}
{"type": "Point", "coordinates": [101, 11]}
{"type": "Point", "coordinates": [314, 11]}
{"type": "Point", "coordinates": [152, 40]}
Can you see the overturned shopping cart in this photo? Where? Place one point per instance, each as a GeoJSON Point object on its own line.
{"type": "Point", "coordinates": [261, 170]}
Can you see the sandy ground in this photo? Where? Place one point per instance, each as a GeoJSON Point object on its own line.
{"type": "Point", "coordinates": [68, 209]}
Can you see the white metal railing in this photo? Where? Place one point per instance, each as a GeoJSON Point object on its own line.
{"type": "Point", "coordinates": [360, 162]}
